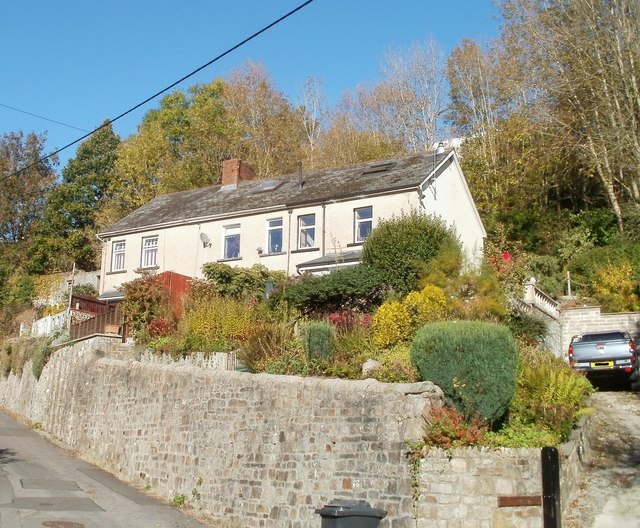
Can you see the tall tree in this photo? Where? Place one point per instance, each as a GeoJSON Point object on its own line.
{"type": "Point", "coordinates": [313, 114]}
{"type": "Point", "coordinates": [406, 105]}
{"type": "Point", "coordinates": [67, 234]}
{"type": "Point", "coordinates": [271, 132]}
{"type": "Point", "coordinates": [585, 57]}
{"type": "Point", "coordinates": [25, 182]}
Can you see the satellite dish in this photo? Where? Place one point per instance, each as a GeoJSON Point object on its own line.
{"type": "Point", "coordinates": [206, 242]}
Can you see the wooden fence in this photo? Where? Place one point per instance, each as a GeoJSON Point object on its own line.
{"type": "Point", "coordinates": [109, 322]}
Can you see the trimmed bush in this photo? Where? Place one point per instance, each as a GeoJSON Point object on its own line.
{"type": "Point", "coordinates": [402, 248]}
{"type": "Point", "coordinates": [318, 340]}
{"type": "Point", "coordinates": [353, 288]}
{"type": "Point", "coordinates": [473, 362]}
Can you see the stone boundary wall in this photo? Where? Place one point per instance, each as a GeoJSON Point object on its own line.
{"type": "Point", "coordinates": [256, 450]}
{"type": "Point", "coordinates": [591, 319]}
{"type": "Point", "coordinates": [459, 488]}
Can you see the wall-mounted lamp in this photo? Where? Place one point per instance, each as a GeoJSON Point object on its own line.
{"type": "Point", "coordinates": [206, 242]}
{"type": "Point", "coordinates": [259, 250]}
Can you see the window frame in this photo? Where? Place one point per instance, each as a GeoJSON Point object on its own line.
{"type": "Point", "coordinates": [118, 252]}
{"type": "Point", "coordinates": [271, 229]}
{"type": "Point", "coordinates": [150, 251]}
{"type": "Point", "coordinates": [230, 232]}
{"type": "Point", "coordinates": [304, 229]}
{"type": "Point", "coordinates": [358, 222]}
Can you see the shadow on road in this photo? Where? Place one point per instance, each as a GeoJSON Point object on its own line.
{"type": "Point", "coordinates": [6, 456]}
{"type": "Point", "coordinates": [616, 384]}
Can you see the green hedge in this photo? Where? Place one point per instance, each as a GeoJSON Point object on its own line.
{"type": "Point", "coordinates": [473, 362]}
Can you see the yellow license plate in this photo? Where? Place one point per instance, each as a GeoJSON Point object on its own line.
{"type": "Point", "coordinates": [601, 364]}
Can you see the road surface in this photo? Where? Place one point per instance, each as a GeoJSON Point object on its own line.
{"type": "Point", "coordinates": [42, 485]}
{"type": "Point", "coordinates": [608, 494]}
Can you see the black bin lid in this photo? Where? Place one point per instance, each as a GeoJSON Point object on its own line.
{"type": "Point", "coordinates": [350, 508]}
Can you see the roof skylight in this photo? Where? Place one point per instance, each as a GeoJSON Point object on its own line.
{"type": "Point", "coordinates": [379, 166]}
{"type": "Point", "coordinates": [267, 185]}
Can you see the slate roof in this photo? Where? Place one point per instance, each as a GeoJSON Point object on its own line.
{"type": "Point", "coordinates": [317, 187]}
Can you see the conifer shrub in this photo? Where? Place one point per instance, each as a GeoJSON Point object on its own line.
{"type": "Point", "coordinates": [427, 305]}
{"type": "Point", "coordinates": [318, 339]}
{"type": "Point", "coordinates": [391, 324]}
{"type": "Point", "coordinates": [473, 362]}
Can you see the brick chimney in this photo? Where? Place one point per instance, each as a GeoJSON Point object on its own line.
{"type": "Point", "coordinates": [234, 171]}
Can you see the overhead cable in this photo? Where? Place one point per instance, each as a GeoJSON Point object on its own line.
{"type": "Point", "coordinates": [42, 117]}
{"type": "Point", "coordinates": [172, 85]}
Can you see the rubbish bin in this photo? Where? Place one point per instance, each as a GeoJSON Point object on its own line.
{"type": "Point", "coordinates": [350, 514]}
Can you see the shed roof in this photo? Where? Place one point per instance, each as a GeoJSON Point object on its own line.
{"type": "Point", "coordinates": [295, 190]}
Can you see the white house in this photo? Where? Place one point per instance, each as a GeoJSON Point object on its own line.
{"type": "Point", "coordinates": [310, 221]}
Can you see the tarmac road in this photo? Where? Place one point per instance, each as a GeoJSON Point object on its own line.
{"type": "Point", "coordinates": [43, 486]}
{"type": "Point", "coordinates": [609, 492]}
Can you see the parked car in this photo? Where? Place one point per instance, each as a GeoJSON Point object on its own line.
{"type": "Point", "coordinates": [606, 354]}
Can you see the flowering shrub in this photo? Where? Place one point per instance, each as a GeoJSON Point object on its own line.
{"type": "Point", "coordinates": [145, 299]}
{"type": "Point", "coordinates": [396, 366]}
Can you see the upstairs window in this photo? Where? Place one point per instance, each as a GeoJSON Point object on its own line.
{"type": "Point", "coordinates": [363, 223]}
{"type": "Point", "coordinates": [231, 242]}
{"type": "Point", "coordinates": [274, 235]}
{"type": "Point", "coordinates": [149, 252]}
{"type": "Point", "coordinates": [306, 231]}
{"type": "Point", "coordinates": [117, 256]}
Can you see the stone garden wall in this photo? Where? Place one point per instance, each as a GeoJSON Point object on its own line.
{"type": "Point", "coordinates": [256, 450]}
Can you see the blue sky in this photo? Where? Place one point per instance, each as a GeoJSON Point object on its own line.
{"type": "Point", "coordinates": [80, 61]}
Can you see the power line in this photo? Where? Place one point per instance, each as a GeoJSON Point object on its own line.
{"type": "Point", "coordinates": [42, 117]}
{"type": "Point", "coordinates": [172, 85]}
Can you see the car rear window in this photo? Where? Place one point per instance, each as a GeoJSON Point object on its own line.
{"type": "Point", "coordinates": [604, 336]}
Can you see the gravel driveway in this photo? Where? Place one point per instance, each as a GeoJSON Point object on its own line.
{"type": "Point", "coordinates": [609, 495]}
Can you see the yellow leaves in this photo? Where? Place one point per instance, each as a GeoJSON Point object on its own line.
{"type": "Point", "coordinates": [617, 287]}
{"type": "Point", "coordinates": [397, 321]}
{"type": "Point", "coordinates": [220, 321]}
{"type": "Point", "coordinates": [427, 305]}
{"type": "Point", "coordinates": [391, 324]}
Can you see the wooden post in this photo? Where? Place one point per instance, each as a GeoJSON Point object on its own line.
{"type": "Point", "coordinates": [551, 488]}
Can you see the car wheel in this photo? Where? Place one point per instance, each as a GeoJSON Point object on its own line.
{"type": "Point", "coordinates": [635, 375]}
{"type": "Point", "coordinates": [635, 386]}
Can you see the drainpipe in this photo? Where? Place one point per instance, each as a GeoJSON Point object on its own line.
{"type": "Point", "coordinates": [289, 242]}
{"type": "Point", "coordinates": [103, 266]}
{"type": "Point", "coordinates": [324, 229]}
